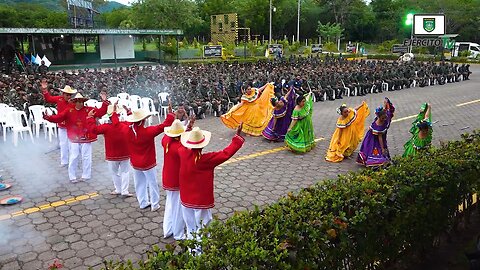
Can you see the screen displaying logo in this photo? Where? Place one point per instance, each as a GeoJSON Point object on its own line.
{"type": "Point", "coordinates": [429, 24]}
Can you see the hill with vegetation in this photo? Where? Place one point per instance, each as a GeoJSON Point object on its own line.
{"type": "Point", "coordinates": [55, 5]}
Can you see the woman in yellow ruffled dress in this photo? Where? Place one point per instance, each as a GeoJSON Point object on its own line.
{"type": "Point", "coordinates": [349, 132]}
{"type": "Point", "coordinates": [254, 110]}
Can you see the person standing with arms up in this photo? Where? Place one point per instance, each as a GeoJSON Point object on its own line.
{"type": "Point", "coordinates": [62, 102]}
{"type": "Point", "coordinates": [143, 157]}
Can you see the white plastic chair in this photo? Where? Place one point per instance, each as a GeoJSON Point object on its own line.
{"type": "Point", "coordinates": [384, 86]}
{"type": "Point", "coordinates": [113, 100]}
{"type": "Point", "coordinates": [18, 118]}
{"type": "Point", "coordinates": [123, 102]}
{"type": "Point", "coordinates": [230, 103]}
{"type": "Point", "coordinates": [50, 128]}
{"type": "Point", "coordinates": [135, 102]}
{"type": "Point", "coordinates": [125, 96]}
{"type": "Point", "coordinates": [163, 109]}
{"type": "Point", "coordinates": [3, 112]}
{"type": "Point", "coordinates": [147, 104]}
{"type": "Point", "coordinates": [8, 121]}
{"type": "Point", "coordinates": [91, 103]}
{"type": "Point", "coordinates": [36, 117]}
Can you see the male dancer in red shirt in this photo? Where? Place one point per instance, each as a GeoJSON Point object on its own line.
{"type": "Point", "coordinates": [62, 103]}
{"type": "Point", "coordinates": [196, 176]}
{"type": "Point", "coordinates": [141, 148]}
{"type": "Point", "coordinates": [172, 220]}
{"type": "Point", "coordinates": [116, 151]}
{"type": "Point", "coordinates": [81, 139]}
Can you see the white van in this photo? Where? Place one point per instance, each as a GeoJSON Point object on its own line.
{"type": "Point", "coordinates": [474, 49]}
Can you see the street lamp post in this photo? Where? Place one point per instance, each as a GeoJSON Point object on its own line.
{"type": "Point", "coordinates": [298, 22]}
{"type": "Point", "coordinates": [270, 25]}
{"type": "Point", "coordinates": [409, 21]}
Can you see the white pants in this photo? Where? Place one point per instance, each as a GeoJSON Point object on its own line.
{"type": "Point", "coordinates": [173, 223]}
{"type": "Point", "coordinates": [143, 180]}
{"type": "Point", "coordinates": [64, 145]}
{"type": "Point", "coordinates": [196, 219]}
{"type": "Point", "coordinates": [77, 150]}
{"type": "Point", "coordinates": [121, 175]}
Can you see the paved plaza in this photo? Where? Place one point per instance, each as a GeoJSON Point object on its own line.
{"type": "Point", "coordinates": [82, 224]}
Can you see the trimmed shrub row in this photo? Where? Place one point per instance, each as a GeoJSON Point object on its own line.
{"type": "Point", "coordinates": [362, 220]}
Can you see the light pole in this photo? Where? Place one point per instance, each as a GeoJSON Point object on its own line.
{"type": "Point", "coordinates": [409, 21]}
{"type": "Point", "coordinates": [270, 25]}
{"type": "Point", "coordinates": [298, 22]}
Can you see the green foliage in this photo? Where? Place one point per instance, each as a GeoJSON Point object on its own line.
{"type": "Point", "coordinates": [195, 43]}
{"type": "Point", "coordinates": [117, 17]}
{"type": "Point", "coordinates": [330, 47]}
{"type": "Point", "coordinates": [464, 53]}
{"type": "Point", "coordinates": [169, 47]}
{"type": "Point", "coordinates": [330, 31]}
{"type": "Point", "coordinates": [165, 14]}
{"type": "Point", "coordinates": [31, 15]}
{"type": "Point", "coordinates": [294, 47]}
{"type": "Point", "coordinates": [362, 220]}
{"type": "Point", "coordinates": [386, 46]}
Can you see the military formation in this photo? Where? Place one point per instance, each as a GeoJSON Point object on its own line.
{"type": "Point", "coordinates": [214, 87]}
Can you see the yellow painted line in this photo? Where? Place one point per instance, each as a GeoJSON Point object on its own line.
{"type": "Point", "coordinates": [48, 206]}
{"type": "Point", "coordinates": [404, 118]}
{"type": "Point", "coordinates": [468, 103]}
{"type": "Point", "coordinates": [262, 153]}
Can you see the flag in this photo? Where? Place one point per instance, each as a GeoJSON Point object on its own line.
{"type": "Point", "coordinates": [38, 60]}
{"type": "Point", "coordinates": [267, 53]}
{"type": "Point", "coordinates": [19, 63]}
{"type": "Point", "coordinates": [20, 58]}
{"type": "Point", "coordinates": [32, 58]}
{"type": "Point", "coordinates": [47, 62]}
{"type": "Point", "coordinates": [26, 59]}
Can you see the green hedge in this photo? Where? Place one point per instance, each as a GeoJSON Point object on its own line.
{"type": "Point", "coordinates": [362, 220]}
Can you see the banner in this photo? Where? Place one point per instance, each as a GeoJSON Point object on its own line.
{"type": "Point", "coordinates": [212, 51]}
{"type": "Point", "coordinates": [398, 48]}
{"type": "Point", "coordinates": [428, 24]}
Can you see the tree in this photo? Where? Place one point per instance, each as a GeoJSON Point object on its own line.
{"type": "Point", "coordinates": [360, 23]}
{"type": "Point", "coordinates": [114, 18]}
{"type": "Point", "coordinates": [165, 14]}
{"type": "Point", "coordinates": [329, 30]}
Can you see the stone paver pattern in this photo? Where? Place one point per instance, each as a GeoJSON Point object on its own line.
{"type": "Point", "coordinates": [82, 225]}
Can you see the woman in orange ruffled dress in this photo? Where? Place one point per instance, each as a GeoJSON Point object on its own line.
{"type": "Point", "coordinates": [349, 132]}
{"type": "Point", "coordinates": [254, 110]}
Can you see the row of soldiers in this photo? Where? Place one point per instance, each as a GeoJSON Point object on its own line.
{"type": "Point", "coordinates": [214, 88]}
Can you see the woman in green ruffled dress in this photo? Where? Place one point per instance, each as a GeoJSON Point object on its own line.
{"type": "Point", "coordinates": [300, 137]}
{"type": "Point", "coordinates": [421, 132]}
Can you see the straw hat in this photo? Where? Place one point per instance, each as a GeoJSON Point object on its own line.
{"type": "Point", "coordinates": [111, 109]}
{"type": "Point", "coordinates": [68, 90]}
{"type": "Point", "coordinates": [79, 96]}
{"type": "Point", "coordinates": [138, 115]}
{"type": "Point", "coordinates": [175, 130]}
{"type": "Point", "coordinates": [196, 138]}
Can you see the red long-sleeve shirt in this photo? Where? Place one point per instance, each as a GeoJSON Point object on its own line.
{"type": "Point", "coordinates": [62, 104]}
{"type": "Point", "coordinates": [115, 143]}
{"type": "Point", "coordinates": [197, 171]}
{"type": "Point", "coordinates": [171, 163]}
{"type": "Point", "coordinates": [76, 122]}
{"type": "Point", "coordinates": [141, 142]}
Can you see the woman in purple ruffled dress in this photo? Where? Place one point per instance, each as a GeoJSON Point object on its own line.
{"type": "Point", "coordinates": [374, 150]}
{"type": "Point", "coordinates": [281, 118]}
